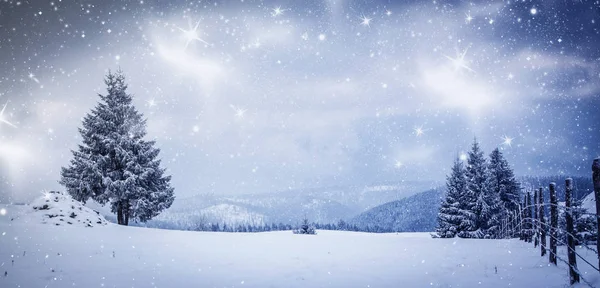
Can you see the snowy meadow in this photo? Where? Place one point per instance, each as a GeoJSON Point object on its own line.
{"type": "Point", "coordinates": [38, 255]}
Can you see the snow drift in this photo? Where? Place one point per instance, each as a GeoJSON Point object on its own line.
{"type": "Point", "coordinates": [58, 208]}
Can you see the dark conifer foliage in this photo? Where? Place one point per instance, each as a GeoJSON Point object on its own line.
{"type": "Point", "coordinates": [115, 165]}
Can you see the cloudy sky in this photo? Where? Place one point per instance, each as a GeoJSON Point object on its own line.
{"type": "Point", "coordinates": [258, 96]}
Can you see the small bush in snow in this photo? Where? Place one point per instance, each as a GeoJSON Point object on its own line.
{"type": "Point", "coordinates": [305, 228]}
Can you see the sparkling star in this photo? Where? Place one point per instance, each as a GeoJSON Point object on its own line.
{"type": "Point", "coordinates": [468, 18]}
{"type": "Point", "coordinates": [239, 112]}
{"type": "Point", "coordinates": [507, 141]}
{"type": "Point", "coordinates": [46, 194]}
{"type": "Point", "coordinates": [398, 164]}
{"type": "Point", "coordinates": [462, 156]}
{"type": "Point", "coordinates": [151, 103]}
{"type": "Point", "coordinates": [365, 21]}
{"type": "Point", "coordinates": [2, 212]}
{"type": "Point", "coordinates": [32, 77]}
{"type": "Point", "coordinates": [459, 61]}
{"type": "Point", "coordinates": [533, 11]}
{"type": "Point", "coordinates": [388, 13]}
{"type": "Point", "coordinates": [419, 131]}
{"type": "Point", "coordinates": [191, 35]}
{"type": "Point", "coordinates": [3, 120]}
{"type": "Point", "coordinates": [277, 11]}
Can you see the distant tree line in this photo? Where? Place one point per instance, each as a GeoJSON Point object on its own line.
{"type": "Point", "coordinates": [245, 228]}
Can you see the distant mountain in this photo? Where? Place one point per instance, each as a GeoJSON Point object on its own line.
{"type": "Point", "coordinates": [417, 213]}
{"type": "Point", "coordinates": [321, 205]}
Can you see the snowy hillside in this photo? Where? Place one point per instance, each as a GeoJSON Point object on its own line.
{"type": "Point", "coordinates": [417, 213]}
{"type": "Point", "coordinates": [322, 205]}
{"type": "Point", "coordinates": [117, 256]}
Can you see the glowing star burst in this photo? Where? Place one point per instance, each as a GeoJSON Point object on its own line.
{"type": "Point", "coordinates": [277, 11]}
{"type": "Point", "coordinates": [419, 131]}
{"type": "Point", "coordinates": [507, 141]}
{"type": "Point", "coordinates": [365, 21]}
{"type": "Point", "coordinates": [151, 103]}
{"type": "Point", "coordinates": [462, 157]}
{"type": "Point", "coordinates": [468, 18]}
{"type": "Point", "coordinates": [191, 35]}
{"type": "Point", "coordinates": [533, 11]}
{"type": "Point", "coordinates": [398, 164]}
{"type": "Point", "coordinates": [32, 77]}
{"type": "Point", "coordinates": [47, 195]}
{"type": "Point", "coordinates": [239, 112]}
{"type": "Point", "coordinates": [3, 120]}
{"type": "Point", "coordinates": [2, 212]}
{"type": "Point", "coordinates": [459, 62]}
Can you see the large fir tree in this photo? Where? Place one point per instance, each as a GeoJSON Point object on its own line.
{"type": "Point", "coordinates": [114, 164]}
{"type": "Point", "coordinates": [472, 201]}
{"type": "Point", "coordinates": [501, 181]}
{"type": "Point", "coordinates": [450, 216]}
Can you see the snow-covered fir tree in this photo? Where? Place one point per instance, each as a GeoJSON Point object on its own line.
{"type": "Point", "coordinates": [483, 198]}
{"type": "Point", "coordinates": [450, 215]}
{"type": "Point", "coordinates": [501, 181]}
{"type": "Point", "coordinates": [584, 224]}
{"type": "Point", "coordinates": [474, 200]}
{"type": "Point", "coordinates": [305, 228]}
{"type": "Point", "coordinates": [114, 164]}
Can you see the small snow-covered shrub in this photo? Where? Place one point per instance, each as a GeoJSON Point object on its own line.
{"type": "Point", "coordinates": [305, 228]}
{"type": "Point", "coordinates": [59, 208]}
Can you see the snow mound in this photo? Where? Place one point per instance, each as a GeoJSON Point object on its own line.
{"type": "Point", "coordinates": [58, 208]}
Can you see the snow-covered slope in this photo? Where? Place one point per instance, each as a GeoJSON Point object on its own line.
{"type": "Point", "coordinates": [38, 255]}
{"type": "Point", "coordinates": [589, 203]}
{"type": "Point", "coordinates": [58, 208]}
{"type": "Point", "coordinates": [417, 213]}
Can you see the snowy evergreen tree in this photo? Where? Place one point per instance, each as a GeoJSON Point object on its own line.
{"type": "Point", "coordinates": [584, 225]}
{"type": "Point", "coordinates": [450, 215]}
{"type": "Point", "coordinates": [476, 208]}
{"type": "Point", "coordinates": [305, 228]}
{"type": "Point", "coordinates": [114, 164]}
{"type": "Point", "coordinates": [501, 181]}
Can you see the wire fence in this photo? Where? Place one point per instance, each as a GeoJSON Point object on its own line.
{"type": "Point", "coordinates": [532, 226]}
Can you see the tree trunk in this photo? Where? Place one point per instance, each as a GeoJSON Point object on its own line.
{"type": "Point", "coordinates": [542, 223]}
{"type": "Point", "coordinates": [553, 223]}
{"type": "Point", "coordinates": [126, 211]}
{"type": "Point", "coordinates": [573, 275]}
{"type": "Point", "coordinates": [596, 179]}
{"type": "Point", "coordinates": [119, 213]}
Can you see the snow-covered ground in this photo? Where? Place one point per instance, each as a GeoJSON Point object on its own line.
{"type": "Point", "coordinates": [33, 254]}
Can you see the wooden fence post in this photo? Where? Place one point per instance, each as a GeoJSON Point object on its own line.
{"type": "Point", "coordinates": [542, 223]}
{"type": "Point", "coordinates": [574, 276]}
{"type": "Point", "coordinates": [596, 179]}
{"type": "Point", "coordinates": [536, 223]}
{"type": "Point", "coordinates": [553, 223]}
